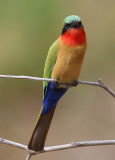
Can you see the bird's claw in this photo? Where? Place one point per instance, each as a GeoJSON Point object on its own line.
{"type": "Point", "coordinates": [56, 81]}
{"type": "Point", "coordinates": [75, 83]}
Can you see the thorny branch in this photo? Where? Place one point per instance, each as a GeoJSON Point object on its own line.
{"type": "Point", "coordinates": [99, 83]}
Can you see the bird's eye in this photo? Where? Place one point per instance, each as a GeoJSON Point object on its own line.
{"type": "Point", "coordinates": [79, 23]}
{"type": "Point", "coordinates": [67, 24]}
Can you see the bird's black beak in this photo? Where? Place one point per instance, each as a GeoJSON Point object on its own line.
{"type": "Point", "coordinates": [77, 24]}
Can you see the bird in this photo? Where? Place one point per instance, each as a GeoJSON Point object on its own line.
{"type": "Point", "coordinates": [63, 64]}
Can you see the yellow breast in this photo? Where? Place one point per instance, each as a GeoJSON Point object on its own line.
{"type": "Point", "coordinates": [69, 61]}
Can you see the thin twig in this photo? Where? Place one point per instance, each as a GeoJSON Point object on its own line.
{"type": "Point", "coordinates": [11, 143]}
{"type": "Point", "coordinates": [28, 156]}
{"type": "Point", "coordinates": [99, 83]}
{"type": "Point", "coordinates": [59, 147]}
{"type": "Point", "coordinates": [28, 77]}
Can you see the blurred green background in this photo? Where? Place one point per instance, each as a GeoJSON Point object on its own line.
{"type": "Point", "coordinates": [27, 29]}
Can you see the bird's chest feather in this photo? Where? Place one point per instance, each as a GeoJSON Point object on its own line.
{"type": "Point", "coordinates": [68, 63]}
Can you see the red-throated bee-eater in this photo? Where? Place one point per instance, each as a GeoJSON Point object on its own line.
{"type": "Point", "coordinates": [63, 63]}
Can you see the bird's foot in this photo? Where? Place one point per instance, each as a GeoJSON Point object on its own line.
{"type": "Point", "coordinates": [56, 81]}
{"type": "Point", "coordinates": [75, 83]}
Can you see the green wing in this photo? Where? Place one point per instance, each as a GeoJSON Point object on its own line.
{"type": "Point", "coordinates": [50, 61]}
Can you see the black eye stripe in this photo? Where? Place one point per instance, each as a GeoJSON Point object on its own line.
{"type": "Point", "coordinates": [69, 24]}
{"type": "Point", "coordinates": [64, 29]}
{"type": "Point", "coordinates": [79, 23]}
{"type": "Point", "coordinates": [73, 24]}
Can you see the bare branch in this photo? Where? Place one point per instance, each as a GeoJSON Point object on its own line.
{"type": "Point", "coordinates": [11, 143]}
{"type": "Point", "coordinates": [99, 83]}
{"type": "Point", "coordinates": [28, 156]}
{"type": "Point", "coordinates": [59, 147]}
{"type": "Point", "coordinates": [28, 77]}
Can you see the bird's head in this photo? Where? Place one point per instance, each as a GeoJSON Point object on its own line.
{"type": "Point", "coordinates": [73, 31]}
{"type": "Point", "coordinates": [70, 22]}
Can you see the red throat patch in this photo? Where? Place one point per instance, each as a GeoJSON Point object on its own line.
{"type": "Point", "coordinates": [74, 36]}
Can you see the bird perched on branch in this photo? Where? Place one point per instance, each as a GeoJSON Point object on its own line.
{"type": "Point", "coordinates": [63, 63]}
